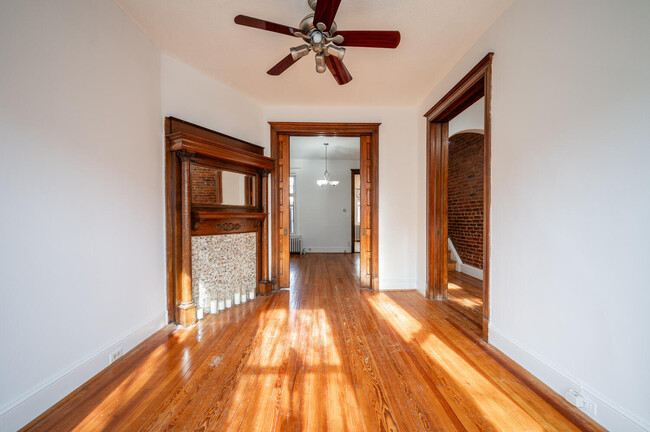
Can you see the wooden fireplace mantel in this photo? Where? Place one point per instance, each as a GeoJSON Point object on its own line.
{"type": "Point", "coordinates": [209, 222]}
{"type": "Point", "coordinates": [188, 144]}
{"type": "Point", "coordinates": [218, 151]}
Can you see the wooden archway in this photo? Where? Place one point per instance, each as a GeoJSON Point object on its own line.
{"type": "Point", "coordinates": [473, 86]}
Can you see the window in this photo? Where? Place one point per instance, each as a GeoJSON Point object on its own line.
{"type": "Point", "coordinates": [292, 203]}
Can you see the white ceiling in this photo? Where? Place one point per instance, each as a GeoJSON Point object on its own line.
{"type": "Point", "coordinates": [202, 33]}
{"type": "Point", "coordinates": [340, 148]}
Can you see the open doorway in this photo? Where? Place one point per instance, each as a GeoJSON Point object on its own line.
{"type": "Point", "coordinates": [455, 146]}
{"type": "Point", "coordinates": [283, 137]}
{"type": "Point", "coordinates": [465, 214]}
{"type": "Point", "coordinates": [320, 208]}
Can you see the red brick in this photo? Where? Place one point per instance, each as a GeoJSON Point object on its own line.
{"type": "Point", "coordinates": [465, 197]}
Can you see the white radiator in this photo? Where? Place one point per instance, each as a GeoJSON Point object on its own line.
{"type": "Point", "coordinates": [295, 244]}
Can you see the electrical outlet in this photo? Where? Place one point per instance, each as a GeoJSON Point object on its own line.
{"type": "Point", "coordinates": [115, 355]}
{"type": "Point", "coordinates": [579, 400]}
{"type": "Point", "coordinates": [589, 407]}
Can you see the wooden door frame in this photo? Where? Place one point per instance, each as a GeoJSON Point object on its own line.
{"type": "Point", "coordinates": [328, 129]}
{"type": "Point", "coordinates": [473, 86]}
{"type": "Point", "coordinates": [353, 207]}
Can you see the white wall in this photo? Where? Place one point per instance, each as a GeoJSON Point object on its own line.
{"type": "Point", "coordinates": [570, 197]}
{"type": "Point", "coordinates": [194, 97]}
{"type": "Point", "coordinates": [82, 215]}
{"type": "Point", "coordinates": [322, 223]}
{"type": "Point", "coordinates": [397, 178]}
{"type": "Point", "coordinates": [471, 119]}
{"type": "Point", "coordinates": [83, 96]}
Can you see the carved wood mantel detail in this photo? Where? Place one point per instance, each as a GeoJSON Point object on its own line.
{"type": "Point", "coordinates": [188, 144]}
{"type": "Point", "coordinates": [228, 226]}
{"type": "Point", "coordinates": [184, 155]}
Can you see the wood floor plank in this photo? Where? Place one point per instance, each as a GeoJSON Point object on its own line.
{"type": "Point", "coordinates": [168, 411]}
{"type": "Point", "coordinates": [324, 355]}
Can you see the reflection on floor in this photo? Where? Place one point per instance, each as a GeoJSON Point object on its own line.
{"type": "Point", "coordinates": [298, 262]}
{"type": "Point", "coordinates": [324, 355]}
{"type": "Point", "coordinates": [466, 292]}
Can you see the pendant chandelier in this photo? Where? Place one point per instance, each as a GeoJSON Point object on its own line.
{"type": "Point", "coordinates": [326, 175]}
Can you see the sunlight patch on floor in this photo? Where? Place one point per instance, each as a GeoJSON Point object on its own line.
{"type": "Point", "coordinates": [490, 400]}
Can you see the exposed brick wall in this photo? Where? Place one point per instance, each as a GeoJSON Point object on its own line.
{"type": "Point", "coordinates": [465, 197]}
{"type": "Point", "coordinates": [204, 185]}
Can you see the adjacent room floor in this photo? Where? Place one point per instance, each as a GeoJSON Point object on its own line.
{"type": "Point", "coordinates": [466, 295]}
{"type": "Point", "coordinates": [323, 355]}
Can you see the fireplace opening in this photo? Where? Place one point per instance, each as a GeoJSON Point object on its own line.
{"type": "Point", "coordinates": [223, 265]}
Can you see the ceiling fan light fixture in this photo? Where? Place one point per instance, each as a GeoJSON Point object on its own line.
{"type": "Point", "coordinates": [320, 63]}
{"type": "Point", "coordinates": [316, 37]}
{"type": "Point", "coordinates": [338, 40]}
{"type": "Point", "coordinates": [335, 51]}
{"type": "Point", "coordinates": [299, 51]}
{"type": "Point", "coordinates": [321, 34]}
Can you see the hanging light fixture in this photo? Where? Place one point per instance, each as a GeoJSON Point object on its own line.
{"type": "Point", "coordinates": [326, 175]}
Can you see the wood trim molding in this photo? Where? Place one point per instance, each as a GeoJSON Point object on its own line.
{"type": "Point", "coordinates": [476, 84]}
{"type": "Point", "coordinates": [177, 125]}
{"type": "Point", "coordinates": [327, 129]}
{"type": "Point", "coordinates": [374, 155]}
{"type": "Point", "coordinates": [468, 90]}
{"type": "Point", "coordinates": [353, 207]}
{"type": "Point", "coordinates": [204, 147]}
{"type": "Point", "coordinates": [437, 174]}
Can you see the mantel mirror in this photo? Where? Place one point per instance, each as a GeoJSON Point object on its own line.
{"type": "Point", "coordinates": [213, 186]}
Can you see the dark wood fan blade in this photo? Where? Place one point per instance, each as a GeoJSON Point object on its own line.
{"type": "Point", "coordinates": [338, 69]}
{"type": "Point", "coordinates": [370, 38]}
{"type": "Point", "coordinates": [265, 25]}
{"type": "Point", "coordinates": [282, 65]}
{"type": "Point", "coordinates": [326, 11]}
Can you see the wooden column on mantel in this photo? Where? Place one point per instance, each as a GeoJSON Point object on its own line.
{"type": "Point", "coordinates": [186, 307]}
{"type": "Point", "coordinates": [188, 145]}
{"type": "Point", "coordinates": [265, 285]}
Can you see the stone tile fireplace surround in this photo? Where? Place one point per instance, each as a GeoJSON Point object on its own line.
{"type": "Point", "coordinates": [222, 264]}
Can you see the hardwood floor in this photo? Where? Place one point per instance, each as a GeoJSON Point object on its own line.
{"type": "Point", "coordinates": [466, 293]}
{"type": "Point", "coordinates": [323, 356]}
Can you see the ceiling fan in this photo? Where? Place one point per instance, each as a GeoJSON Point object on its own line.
{"type": "Point", "coordinates": [319, 32]}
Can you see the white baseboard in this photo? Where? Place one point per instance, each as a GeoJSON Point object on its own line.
{"type": "Point", "coordinates": [462, 267]}
{"type": "Point", "coordinates": [31, 404]}
{"type": "Point", "coordinates": [472, 271]}
{"type": "Point", "coordinates": [396, 284]}
{"type": "Point", "coordinates": [454, 252]}
{"type": "Point", "coordinates": [338, 249]}
{"type": "Point", "coordinates": [422, 287]}
{"type": "Point", "coordinates": [608, 413]}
